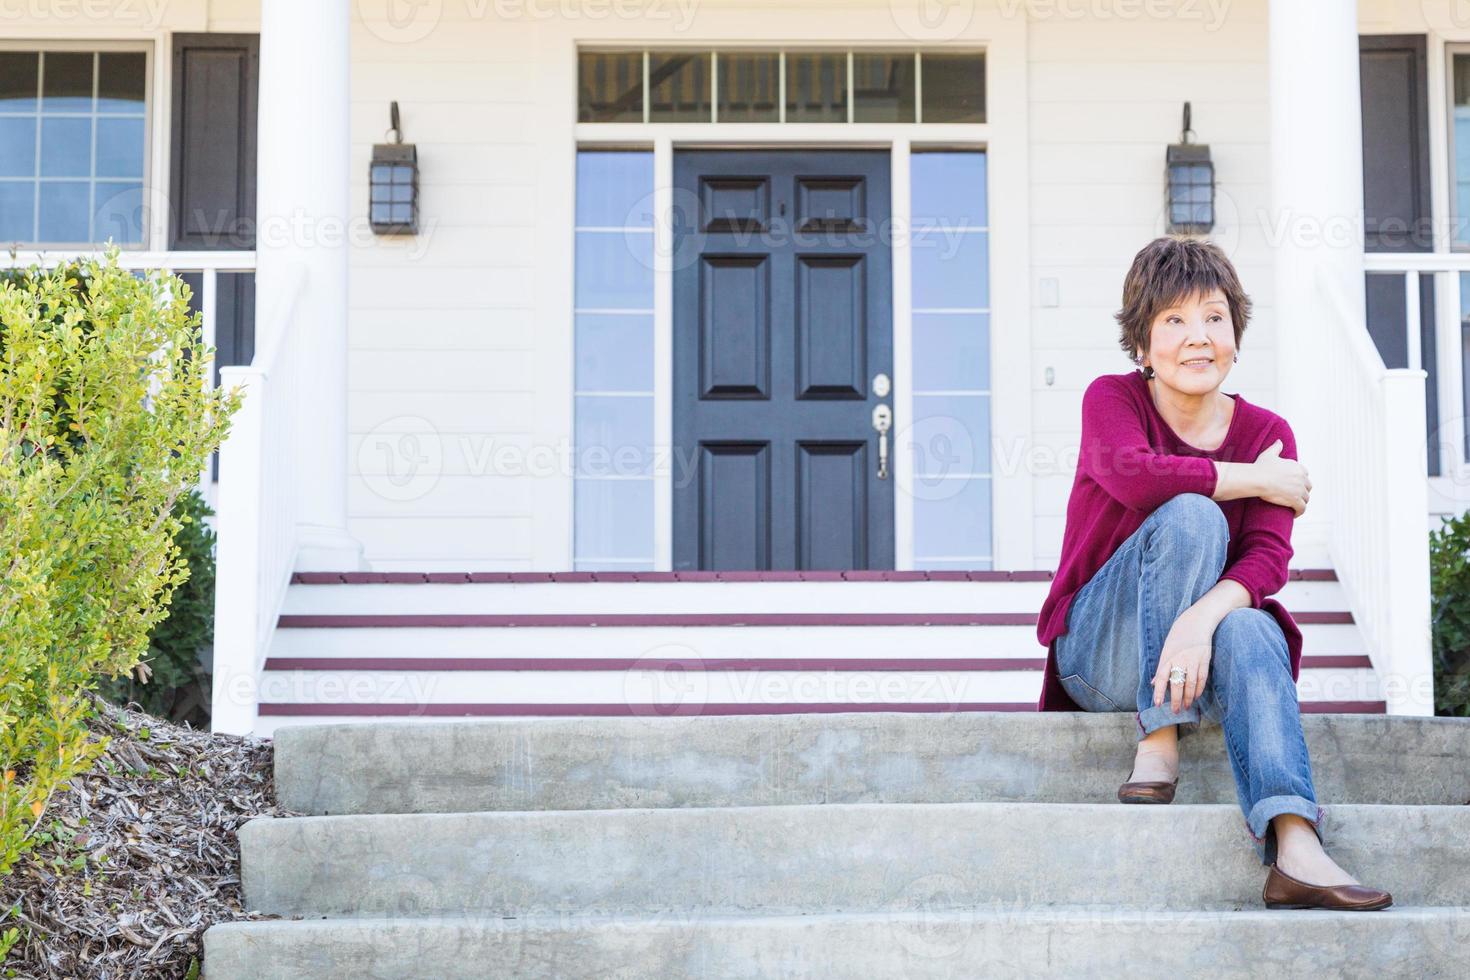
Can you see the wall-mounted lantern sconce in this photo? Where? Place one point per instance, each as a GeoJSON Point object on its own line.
{"type": "Point", "coordinates": [1190, 184]}
{"type": "Point", "coordinates": [393, 184]}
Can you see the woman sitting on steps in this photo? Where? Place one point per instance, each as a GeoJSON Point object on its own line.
{"type": "Point", "coordinates": [1178, 532]}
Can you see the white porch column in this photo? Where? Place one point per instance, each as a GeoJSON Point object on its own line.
{"type": "Point", "coordinates": [1316, 217]}
{"type": "Point", "coordinates": [302, 210]}
{"type": "Point", "coordinates": [1316, 228]}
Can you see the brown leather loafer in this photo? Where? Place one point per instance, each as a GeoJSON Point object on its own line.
{"type": "Point", "coordinates": [1282, 891]}
{"type": "Point", "coordinates": [1156, 791]}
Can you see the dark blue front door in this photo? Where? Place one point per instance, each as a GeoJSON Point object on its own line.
{"type": "Point", "coordinates": [782, 320]}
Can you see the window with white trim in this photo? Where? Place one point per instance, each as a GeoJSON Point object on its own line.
{"type": "Point", "coordinates": [73, 145]}
{"type": "Point", "coordinates": [777, 85]}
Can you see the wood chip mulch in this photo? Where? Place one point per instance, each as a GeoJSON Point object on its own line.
{"type": "Point", "coordinates": [142, 856]}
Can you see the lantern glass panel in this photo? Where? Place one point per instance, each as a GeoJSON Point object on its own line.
{"type": "Point", "coordinates": [392, 187]}
{"type": "Point", "coordinates": [1190, 192]}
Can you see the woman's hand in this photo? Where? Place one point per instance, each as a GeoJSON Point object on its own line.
{"type": "Point", "coordinates": [1188, 645]}
{"type": "Point", "coordinates": [1284, 480]}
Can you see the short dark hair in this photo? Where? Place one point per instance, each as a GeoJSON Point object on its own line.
{"type": "Point", "coordinates": [1167, 270]}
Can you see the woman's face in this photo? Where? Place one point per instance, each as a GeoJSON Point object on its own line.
{"type": "Point", "coordinates": [1192, 343]}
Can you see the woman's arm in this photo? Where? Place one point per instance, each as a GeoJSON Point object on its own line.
{"type": "Point", "coordinates": [1265, 537]}
{"type": "Point", "coordinates": [1237, 480]}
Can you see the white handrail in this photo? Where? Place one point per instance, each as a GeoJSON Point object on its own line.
{"type": "Point", "coordinates": [1375, 433]}
{"type": "Point", "coordinates": [1416, 261]}
{"type": "Point", "coordinates": [1447, 274]}
{"type": "Point", "coordinates": [257, 509]}
{"type": "Point", "coordinates": [221, 261]}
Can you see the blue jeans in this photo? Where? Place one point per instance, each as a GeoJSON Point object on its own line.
{"type": "Point", "coordinates": [1116, 627]}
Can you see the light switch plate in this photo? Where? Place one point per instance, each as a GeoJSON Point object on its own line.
{"type": "Point", "coordinates": [1048, 290]}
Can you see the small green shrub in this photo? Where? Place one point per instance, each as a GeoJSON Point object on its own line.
{"type": "Point", "coordinates": [105, 422]}
{"type": "Point", "coordinates": [1449, 575]}
{"type": "Point", "coordinates": [173, 684]}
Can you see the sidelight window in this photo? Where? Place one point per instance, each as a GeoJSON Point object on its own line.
{"type": "Point", "coordinates": [952, 478]}
{"type": "Point", "coordinates": [613, 429]}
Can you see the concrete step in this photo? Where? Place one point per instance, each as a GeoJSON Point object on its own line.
{"type": "Point", "coordinates": [996, 942]}
{"type": "Point", "coordinates": [809, 859]}
{"type": "Point", "coordinates": [887, 757]}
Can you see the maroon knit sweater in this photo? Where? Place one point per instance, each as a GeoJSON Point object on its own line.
{"type": "Point", "coordinates": [1130, 461]}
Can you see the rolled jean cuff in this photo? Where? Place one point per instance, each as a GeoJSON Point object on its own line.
{"type": "Point", "coordinates": [1157, 716]}
{"type": "Point", "coordinates": [1259, 821]}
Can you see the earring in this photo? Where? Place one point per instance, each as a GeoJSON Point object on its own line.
{"type": "Point", "coordinates": [1237, 358]}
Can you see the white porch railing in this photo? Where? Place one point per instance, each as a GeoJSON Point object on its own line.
{"type": "Point", "coordinates": [257, 508]}
{"type": "Point", "coordinates": [1375, 461]}
{"type": "Point", "coordinates": [1446, 270]}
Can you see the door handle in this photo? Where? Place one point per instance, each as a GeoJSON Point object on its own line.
{"type": "Point", "coordinates": [882, 421]}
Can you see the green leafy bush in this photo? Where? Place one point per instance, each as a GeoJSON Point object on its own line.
{"type": "Point", "coordinates": [105, 422]}
{"type": "Point", "coordinates": [169, 681]}
{"type": "Point", "coordinates": [1449, 576]}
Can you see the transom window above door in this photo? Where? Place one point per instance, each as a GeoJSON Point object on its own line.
{"type": "Point", "coordinates": [781, 85]}
{"type": "Point", "coordinates": [73, 138]}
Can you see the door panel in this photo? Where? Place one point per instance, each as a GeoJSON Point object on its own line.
{"type": "Point", "coordinates": [735, 327]}
{"type": "Point", "coordinates": [831, 326]}
{"type": "Point", "coordinates": [782, 317]}
{"type": "Point", "coordinates": [735, 504]}
{"type": "Point", "coordinates": [831, 490]}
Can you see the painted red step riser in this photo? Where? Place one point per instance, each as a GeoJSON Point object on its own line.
{"type": "Point", "coordinates": [1320, 662]}
{"type": "Point", "coordinates": [465, 620]}
{"type": "Point", "coordinates": [479, 578]}
{"type": "Point", "coordinates": [622, 710]}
